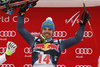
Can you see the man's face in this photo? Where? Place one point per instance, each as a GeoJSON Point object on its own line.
{"type": "Point", "coordinates": [47, 32]}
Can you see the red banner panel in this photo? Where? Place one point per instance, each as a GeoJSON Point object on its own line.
{"type": "Point", "coordinates": [66, 20]}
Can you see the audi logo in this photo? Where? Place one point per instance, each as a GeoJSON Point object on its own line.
{"type": "Point", "coordinates": [27, 65]}
{"type": "Point", "coordinates": [88, 34]}
{"type": "Point", "coordinates": [83, 66]}
{"type": "Point", "coordinates": [2, 50]}
{"type": "Point", "coordinates": [60, 34]}
{"type": "Point", "coordinates": [83, 51]}
{"type": "Point", "coordinates": [27, 50]}
{"type": "Point", "coordinates": [61, 66]}
{"type": "Point", "coordinates": [7, 33]}
{"type": "Point", "coordinates": [7, 65]}
{"type": "Point", "coordinates": [64, 51]}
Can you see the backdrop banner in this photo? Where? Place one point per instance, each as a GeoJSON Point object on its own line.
{"type": "Point", "coordinates": [66, 20]}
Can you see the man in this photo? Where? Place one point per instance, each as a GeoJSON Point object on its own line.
{"type": "Point", "coordinates": [9, 51]}
{"type": "Point", "coordinates": [45, 50]}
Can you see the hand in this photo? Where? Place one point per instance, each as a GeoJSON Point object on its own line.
{"type": "Point", "coordinates": [23, 9]}
{"type": "Point", "coordinates": [10, 48]}
{"type": "Point", "coordinates": [84, 18]}
{"type": "Point", "coordinates": [26, 7]}
{"type": "Point", "coordinates": [32, 4]}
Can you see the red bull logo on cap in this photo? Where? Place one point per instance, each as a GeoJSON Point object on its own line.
{"type": "Point", "coordinates": [46, 47]}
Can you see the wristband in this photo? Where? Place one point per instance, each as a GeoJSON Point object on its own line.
{"type": "Point", "coordinates": [8, 52]}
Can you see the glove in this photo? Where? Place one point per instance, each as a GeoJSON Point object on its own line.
{"type": "Point", "coordinates": [32, 4]}
{"type": "Point", "coordinates": [10, 48]}
{"type": "Point", "coordinates": [23, 9]}
{"type": "Point", "coordinates": [26, 7]}
{"type": "Point", "coordinates": [84, 18]}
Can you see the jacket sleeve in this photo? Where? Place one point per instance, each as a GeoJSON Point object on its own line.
{"type": "Point", "coordinates": [74, 40]}
{"type": "Point", "coordinates": [2, 58]}
{"type": "Point", "coordinates": [23, 32]}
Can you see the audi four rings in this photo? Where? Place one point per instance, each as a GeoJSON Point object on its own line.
{"type": "Point", "coordinates": [83, 66]}
{"type": "Point", "coordinates": [7, 65]}
{"type": "Point", "coordinates": [64, 51]}
{"type": "Point", "coordinates": [2, 50]}
{"type": "Point", "coordinates": [29, 65]}
{"type": "Point", "coordinates": [7, 33]}
{"type": "Point", "coordinates": [84, 51]}
{"type": "Point", "coordinates": [61, 66]}
{"type": "Point", "coordinates": [88, 34]}
{"type": "Point", "coordinates": [27, 50]}
{"type": "Point", "coordinates": [60, 34]}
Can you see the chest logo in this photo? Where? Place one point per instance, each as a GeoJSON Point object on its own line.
{"type": "Point", "coordinates": [46, 46]}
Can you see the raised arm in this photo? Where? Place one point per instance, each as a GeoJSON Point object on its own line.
{"type": "Point", "coordinates": [74, 40]}
{"type": "Point", "coordinates": [2, 58]}
{"type": "Point", "coordinates": [79, 35]}
{"type": "Point", "coordinates": [11, 47]}
{"type": "Point", "coordinates": [20, 24]}
{"type": "Point", "coordinates": [23, 32]}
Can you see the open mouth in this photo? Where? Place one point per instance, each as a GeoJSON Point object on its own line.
{"type": "Point", "coordinates": [47, 34]}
